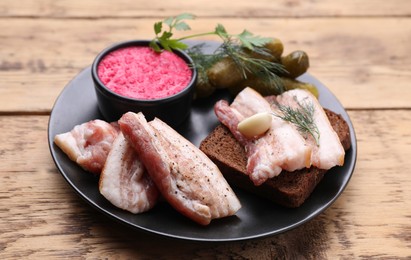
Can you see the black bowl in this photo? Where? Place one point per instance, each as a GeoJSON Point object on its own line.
{"type": "Point", "coordinates": [173, 110]}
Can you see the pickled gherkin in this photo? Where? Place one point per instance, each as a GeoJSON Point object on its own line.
{"type": "Point", "coordinates": [276, 48]}
{"type": "Point", "coordinates": [296, 63]}
{"type": "Point", "coordinates": [203, 88]}
{"type": "Point", "coordinates": [266, 89]}
{"type": "Point", "coordinates": [225, 74]}
{"type": "Point", "coordinates": [293, 84]}
{"type": "Point", "coordinates": [263, 68]}
{"type": "Point", "coordinates": [271, 51]}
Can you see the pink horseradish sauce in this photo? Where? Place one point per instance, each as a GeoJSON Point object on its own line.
{"type": "Point", "coordinates": [141, 73]}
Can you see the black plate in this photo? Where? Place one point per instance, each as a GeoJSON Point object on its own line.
{"type": "Point", "coordinates": [257, 218]}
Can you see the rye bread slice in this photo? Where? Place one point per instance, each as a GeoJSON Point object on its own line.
{"type": "Point", "coordinates": [289, 189]}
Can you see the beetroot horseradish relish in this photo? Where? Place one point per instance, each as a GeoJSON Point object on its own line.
{"type": "Point", "coordinates": [141, 73]}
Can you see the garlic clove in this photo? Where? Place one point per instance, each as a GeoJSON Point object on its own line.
{"type": "Point", "coordinates": [255, 125]}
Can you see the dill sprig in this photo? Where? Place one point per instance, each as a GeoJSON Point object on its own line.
{"type": "Point", "coordinates": [262, 68]}
{"type": "Point", "coordinates": [234, 46]}
{"type": "Point", "coordinates": [302, 117]}
{"type": "Point", "coordinates": [202, 61]}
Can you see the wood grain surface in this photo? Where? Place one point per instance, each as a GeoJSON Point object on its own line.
{"type": "Point", "coordinates": [41, 216]}
{"type": "Point", "coordinates": [358, 49]}
{"type": "Point", "coordinates": [221, 8]}
{"type": "Point", "coordinates": [353, 57]}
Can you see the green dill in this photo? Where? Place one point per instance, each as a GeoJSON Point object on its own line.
{"type": "Point", "coordinates": [234, 46]}
{"type": "Point", "coordinates": [237, 46]}
{"type": "Point", "coordinates": [302, 117]}
{"type": "Point", "coordinates": [202, 61]}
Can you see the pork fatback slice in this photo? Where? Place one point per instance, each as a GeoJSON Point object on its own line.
{"type": "Point", "coordinates": [281, 148]}
{"type": "Point", "coordinates": [124, 180]}
{"type": "Point", "coordinates": [88, 144]}
{"type": "Point", "coordinates": [329, 151]}
{"type": "Point", "coordinates": [184, 175]}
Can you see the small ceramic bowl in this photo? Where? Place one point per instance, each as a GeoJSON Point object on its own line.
{"type": "Point", "coordinates": [173, 109]}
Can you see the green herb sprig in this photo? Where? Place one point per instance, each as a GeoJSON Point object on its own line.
{"type": "Point", "coordinates": [302, 117]}
{"type": "Point", "coordinates": [164, 37]}
{"type": "Point", "coordinates": [233, 45]}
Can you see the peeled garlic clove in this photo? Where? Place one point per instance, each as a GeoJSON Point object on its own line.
{"type": "Point", "coordinates": [255, 125]}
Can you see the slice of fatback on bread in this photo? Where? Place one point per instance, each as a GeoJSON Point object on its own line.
{"type": "Point", "coordinates": [289, 189]}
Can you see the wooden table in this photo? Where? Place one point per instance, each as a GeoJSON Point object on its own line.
{"type": "Point", "coordinates": [359, 49]}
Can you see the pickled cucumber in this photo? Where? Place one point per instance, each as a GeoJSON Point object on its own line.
{"type": "Point", "coordinates": [225, 74]}
{"type": "Point", "coordinates": [296, 63]}
{"type": "Point", "coordinates": [276, 48]}
{"type": "Point", "coordinates": [203, 88]}
{"type": "Point", "coordinates": [271, 51]}
{"type": "Point", "coordinates": [265, 89]}
{"type": "Point", "coordinates": [293, 84]}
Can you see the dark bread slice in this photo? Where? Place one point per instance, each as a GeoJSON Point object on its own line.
{"type": "Point", "coordinates": [289, 189]}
